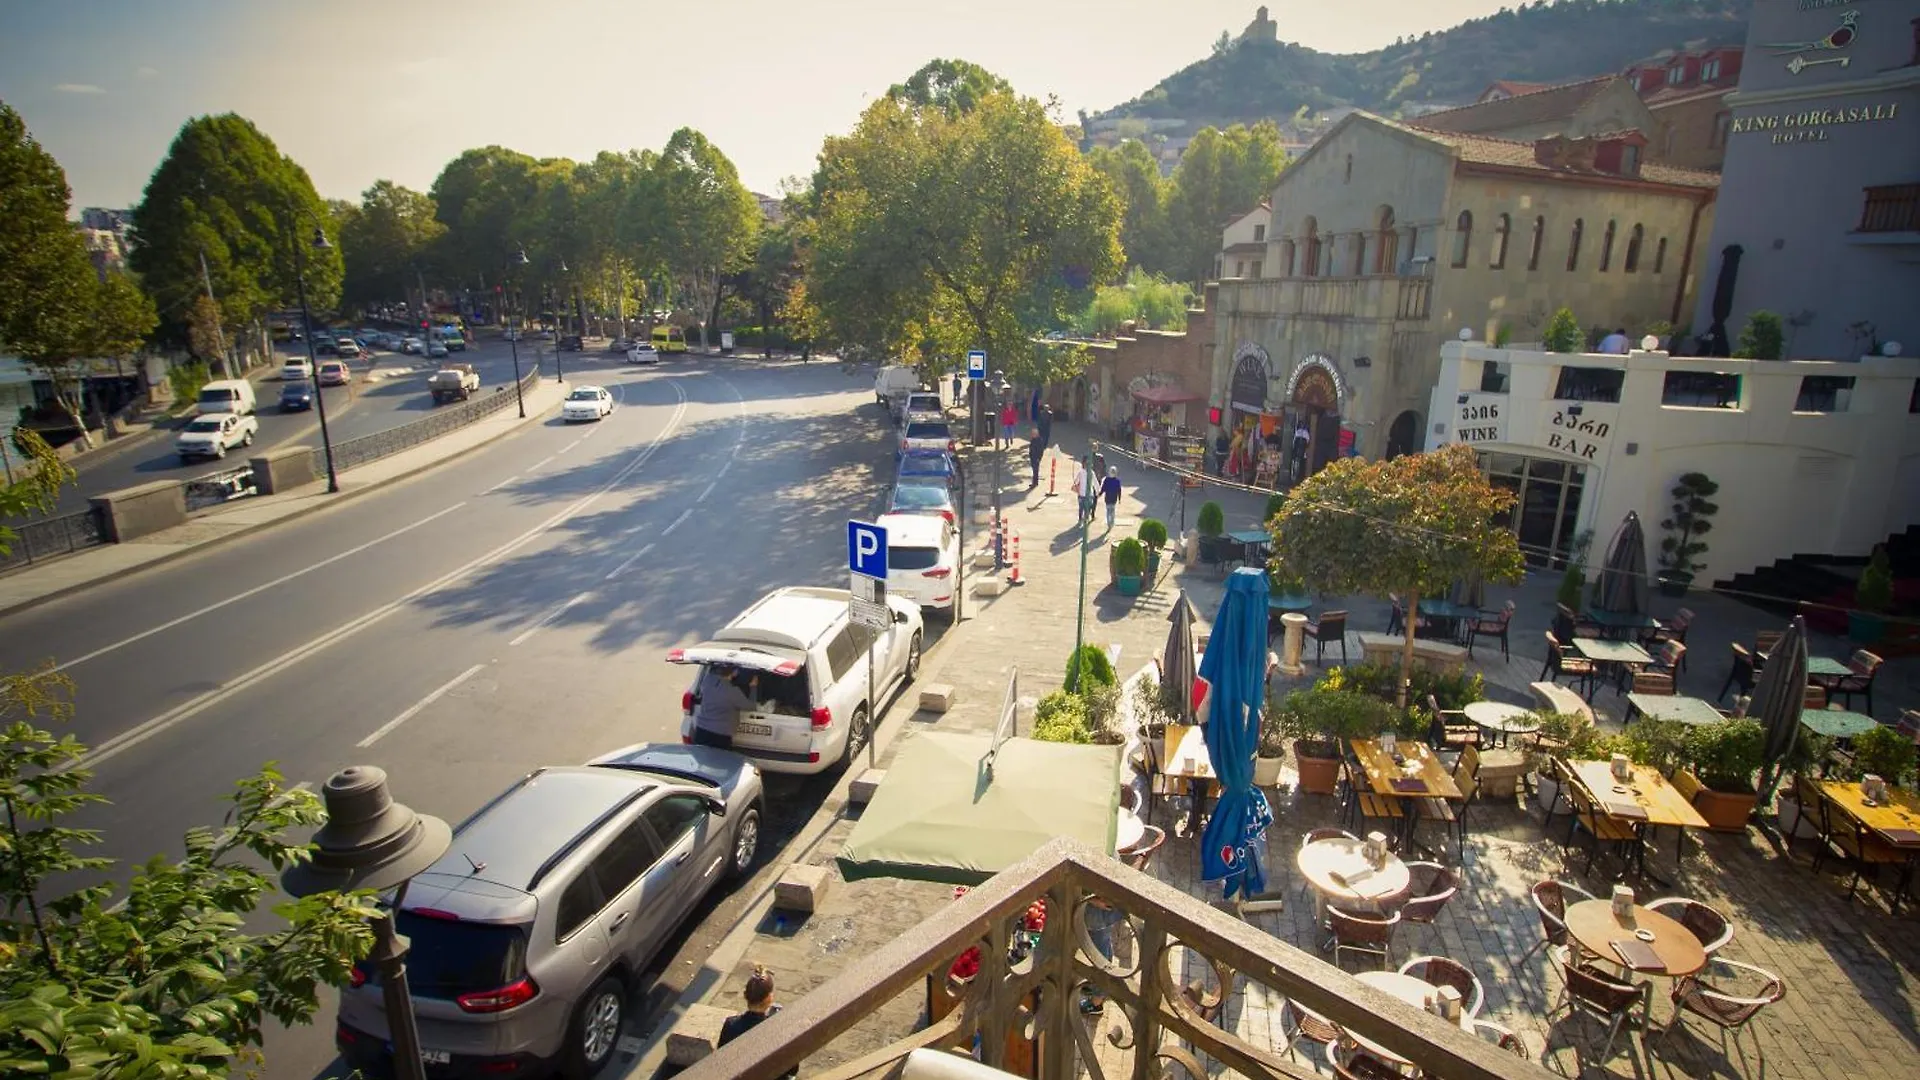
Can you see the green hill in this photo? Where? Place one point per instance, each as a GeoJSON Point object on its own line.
{"type": "Point", "coordinates": [1252, 78]}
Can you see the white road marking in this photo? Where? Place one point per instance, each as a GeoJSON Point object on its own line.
{"type": "Point", "coordinates": [544, 460]}
{"type": "Point", "coordinates": [549, 617]}
{"type": "Point", "coordinates": [501, 484]}
{"type": "Point", "coordinates": [570, 445]}
{"type": "Point", "coordinates": [256, 590]}
{"type": "Point", "coordinates": [684, 515]}
{"type": "Point", "coordinates": [414, 710]}
{"type": "Point", "coordinates": [591, 432]}
{"type": "Point", "coordinates": [703, 495]}
{"type": "Point", "coordinates": [118, 744]}
{"type": "Point", "coordinates": [630, 560]}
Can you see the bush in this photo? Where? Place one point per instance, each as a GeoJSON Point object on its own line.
{"type": "Point", "coordinates": [1658, 744]}
{"type": "Point", "coordinates": [1381, 681]}
{"type": "Point", "coordinates": [1763, 338]}
{"type": "Point", "coordinates": [1153, 533]}
{"type": "Point", "coordinates": [187, 379]}
{"type": "Point", "coordinates": [1563, 333]}
{"type": "Point", "coordinates": [1091, 659]}
{"type": "Point", "coordinates": [1155, 706]}
{"type": "Point", "coordinates": [1885, 753]}
{"type": "Point", "coordinates": [1276, 502]}
{"type": "Point", "coordinates": [1062, 717]}
{"type": "Point", "coordinates": [1129, 558]}
{"type": "Point", "coordinates": [1502, 335]}
{"type": "Point", "coordinates": [1329, 718]}
{"type": "Point", "coordinates": [1726, 755]}
{"type": "Point", "coordinates": [1875, 591]}
{"type": "Point", "coordinates": [1103, 709]}
{"type": "Point", "coordinates": [1568, 595]}
{"type": "Point", "coordinates": [1212, 520]}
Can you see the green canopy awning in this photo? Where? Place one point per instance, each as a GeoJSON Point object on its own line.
{"type": "Point", "coordinates": [938, 816]}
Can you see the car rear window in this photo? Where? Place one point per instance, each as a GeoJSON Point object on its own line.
{"type": "Point", "coordinates": [218, 397]}
{"type": "Point", "coordinates": [928, 429]}
{"type": "Point", "coordinates": [912, 558]}
{"type": "Point", "coordinates": [920, 497]}
{"type": "Point", "coordinates": [449, 957]}
{"type": "Point", "coordinates": [209, 424]}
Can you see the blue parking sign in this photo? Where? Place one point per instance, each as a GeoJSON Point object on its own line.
{"type": "Point", "coordinates": [867, 549]}
{"type": "Point", "coordinates": [977, 365]}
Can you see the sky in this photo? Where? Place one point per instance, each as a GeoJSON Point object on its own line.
{"type": "Point", "coordinates": [362, 90]}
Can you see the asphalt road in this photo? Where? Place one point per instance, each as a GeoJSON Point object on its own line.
{"type": "Point", "coordinates": [505, 610]}
{"type": "Point", "coordinates": [365, 408]}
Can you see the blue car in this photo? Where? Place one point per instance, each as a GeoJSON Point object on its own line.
{"type": "Point", "coordinates": [296, 396]}
{"type": "Point", "coordinates": [929, 463]}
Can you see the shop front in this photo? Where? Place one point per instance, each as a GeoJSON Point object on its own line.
{"type": "Point", "coordinates": [1158, 425]}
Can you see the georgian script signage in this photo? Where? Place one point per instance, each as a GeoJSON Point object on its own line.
{"type": "Point", "coordinates": [1317, 381]}
{"type": "Point", "coordinates": [1586, 436]}
{"type": "Point", "coordinates": [1481, 418]}
{"type": "Point", "coordinates": [1811, 125]}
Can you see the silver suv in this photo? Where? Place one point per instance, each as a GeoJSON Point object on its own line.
{"type": "Point", "coordinates": [532, 933]}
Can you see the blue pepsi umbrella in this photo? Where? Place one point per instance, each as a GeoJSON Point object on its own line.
{"type": "Point", "coordinates": [1235, 664]}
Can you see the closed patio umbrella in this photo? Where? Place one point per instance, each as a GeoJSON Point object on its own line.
{"type": "Point", "coordinates": [1778, 697]}
{"type": "Point", "coordinates": [1176, 660]}
{"type": "Point", "coordinates": [1623, 580]}
{"type": "Point", "coordinates": [1235, 665]}
{"type": "Point", "coordinates": [1470, 591]}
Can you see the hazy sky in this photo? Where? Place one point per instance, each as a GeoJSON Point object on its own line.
{"type": "Point", "coordinates": [358, 90]}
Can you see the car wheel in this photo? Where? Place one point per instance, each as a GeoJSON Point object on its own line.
{"type": "Point", "coordinates": [913, 661]}
{"type": "Point", "coordinates": [859, 730]}
{"type": "Point", "coordinates": [746, 844]}
{"type": "Point", "coordinates": [596, 1028]}
{"type": "Point", "coordinates": [219, 449]}
{"type": "Point", "coordinates": [247, 439]}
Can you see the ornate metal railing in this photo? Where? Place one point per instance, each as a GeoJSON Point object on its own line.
{"type": "Point", "coordinates": [367, 448]}
{"type": "Point", "coordinates": [35, 541]}
{"type": "Point", "coordinates": [218, 487]}
{"type": "Point", "coordinates": [1170, 1021]}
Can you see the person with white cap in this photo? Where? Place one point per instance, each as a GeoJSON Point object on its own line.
{"type": "Point", "coordinates": [1110, 492]}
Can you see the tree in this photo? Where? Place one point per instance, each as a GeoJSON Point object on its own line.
{"type": "Point", "coordinates": [38, 488]}
{"type": "Point", "coordinates": [1411, 526]}
{"type": "Point", "coordinates": [952, 86]}
{"type": "Point", "coordinates": [482, 197]}
{"type": "Point", "coordinates": [706, 218]}
{"type": "Point", "coordinates": [1221, 175]}
{"type": "Point", "coordinates": [937, 230]}
{"type": "Point", "coordinates": [386, 242]}
{"type": "Point", "coordinates": [1136, 179]}
{"type": "Point", "coordinates": [1563, 333]}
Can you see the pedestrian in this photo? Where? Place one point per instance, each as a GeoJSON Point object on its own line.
{"type": "Point", "coordinates": [1616, 342]}
{"type": "Point", "coordinates": [1009, 416]}
{"type": "Point", "coordinates": [1222, 446]}
{"type": "Point", "coordinates": [959, 385]}
{"type": "Point", "coordinates": [1110, 491]}
{"type": "Point", "coordinates": [1301, 438]}
{"type": "Point", "coordinates": [1036, 449]}
{"type": "Point", "coordinates": [1083, 491]}
{"type": "Point", "coordinates": [1043, 419]}
{"type": "Point", "coordinates": [718, 701]}
{"type": "Point", "coordinates": [760, 1006]}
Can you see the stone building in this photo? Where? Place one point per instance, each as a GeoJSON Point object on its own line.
{"type": "Point", "coordinates": [1243, 244]}
{"type": "Point", "coordinates": [1387, 240]}
{"type": "Point", "coordinates": [1141, 370]}
{"type": "Point", "coordinates": [1687, 94]}
{"type": "Point", "coordinates": [1588, 107]}
{"type": "Point", "coordinates": [1819, 216]}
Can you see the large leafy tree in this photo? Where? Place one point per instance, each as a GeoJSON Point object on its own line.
{"type": "Point", "coordinates": [953, 86]}
{"type": "Point", "coordinates": [1221, 175]}
{"type": "Point", "coordinates": [703, 220]}
{"type": "Point", "coordinates": [1413, 526]}
{"type": "Point", "coordinates": [386, 242]}
{"type": "Point", "coordinates": [484, 197]}
{"type": "Point", "coordinates": [934, 230]}
{"type": "Point", "coordinates": [1135, 175]}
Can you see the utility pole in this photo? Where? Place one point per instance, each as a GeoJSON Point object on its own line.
{"type": "Point", "coordinates": [1080, 607]}
{"type": "Point", "coordinates": [226, 348]}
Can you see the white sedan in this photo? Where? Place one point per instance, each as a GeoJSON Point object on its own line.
{"type": "Point", "coordinates": [643, 352]}
{"type": "Point", "coordinates": [296, 369]}
{"type": "Point", "coordinates": [586, 403]}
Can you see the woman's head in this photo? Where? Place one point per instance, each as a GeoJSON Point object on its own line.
{"type": "Point", "coordinates": [759, 989]}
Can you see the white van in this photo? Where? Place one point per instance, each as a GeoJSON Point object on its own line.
{"type": "Point", "coordinates": [893, 381]}
{"type": "Point", "coordinates": [227, 395]}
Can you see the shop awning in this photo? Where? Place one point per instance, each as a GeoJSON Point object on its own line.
{"type": "Point", "coordinates": [1164, 395]}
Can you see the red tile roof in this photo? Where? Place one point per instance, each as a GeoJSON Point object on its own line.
{"type": "Point", "coordinates": [1550, 103]}
{"type": "Point", "coordinates": [1511, 153]}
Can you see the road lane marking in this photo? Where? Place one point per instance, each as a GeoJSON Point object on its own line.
{"type": "Point", "coordinates": [708, 491]}
{"type": "Point", "coordinates": [684, 515]}
{"type": "Point", "coordinates": [414, 710]}
{"type": "Point", "coordinates": [630, 560]}
{"type": "Point", "coordinates": [570, 445]}
{"type": "Point", "coordinates": [544, 460]}
{"type": "Point", "coordinates": [549, 617]}
{"type": "Point", "coordinates": [256, 590]}
{"type": "Point", "coordinates": [187, 710]}
{"type": "Point", "coordinates": [591, 432]}
{"type": "Point", "coordinates": [728, 464]}
{"type": "Point", "coordinates": [501, 484]}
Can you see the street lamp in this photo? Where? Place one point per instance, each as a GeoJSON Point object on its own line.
{"type": "Point", "coordinates": [513, 336]}
{"type": "Point", "coordinates": [557, 332]}
{"type": "Point", "coordinates": [372, 842]}
{"type": "Point", "coordinates": [313, 362]}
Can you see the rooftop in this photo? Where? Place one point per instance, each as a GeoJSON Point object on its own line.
{"type": "Point", "coordinates": [1531, 107]}
{"type": "Point", "coordinates": [1514, 154]}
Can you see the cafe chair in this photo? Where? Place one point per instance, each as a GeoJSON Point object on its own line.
{"type": "Point", "coordinates": [1668, 661]}
{"type": "Point", "coordinates": [1367, 811]}
{"type": "Point", "coordinates": [1431, 885]}
{"type": "Point", "coordinates": [1674, 629]}
{"type": "Point", "coordinates": [1741, 674]}
{"type": "Point", "coordinates": [1353, 1063]}
{"type": "Point", "coordinates": [1397, 622]}
{"type": "Point", "coordinates": [1718, 1004]}
{"type": "Point", "coordinates": [1331, 626]}
{"type": "Point", "coordinates": [1216, 551]}
{"type": "Point", "coordinates": [1445, 971]}
{"type": "Point", "coordinates": [1550, 899]}
{"type": "Point", "coordinates": [1495, 627]}
{"type": "Point", "coordinates": [1653, 682]}
{"type": "Point", "coordinates": [1450, 729]}
{"type": "Point", "coordinates": [1764, 641]}
{"type": "Point", "coordinates": [1857, 848]}
{"type": "Point", "coordinates": [1141, 855]}
{"type": "Point", "coordinates": [1807, 794]}
{"type": "Point", "coordinates": [1503, 1038]}
{"type": "Point", "coordinates": [1368, 935]}
{"type": "Point", "coordinates": [1559, 665]}
{"type": "Point", "coordinates": [1590, 990]}
{"type": "Point", "coordinates": [1314, 836]}
{"type": "Point", "coordinates": [1863, 666]}
{"type": "Point", "coordinates": [1606, 835]}
{"type": "Point", "coordinates": [1707, 925]}
{"type": "Point", "coordinates": [1816, 697]}
{"type": "Point", "coordinates": [1297, 1023]}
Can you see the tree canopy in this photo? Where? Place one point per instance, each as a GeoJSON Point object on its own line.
{"type": "Point", "coordinates": [386, 242]}
{"type": "Point", "coordinates": [1221, 175]}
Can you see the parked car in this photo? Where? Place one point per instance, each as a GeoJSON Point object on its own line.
{"type": "Point", "coordinates": [535, 929]}
{"type": "Point", "coordinates": [411, 346]}
{"type": "Point", "coordinates": [812, 661]}
{"type": "Point", "coordinates": [892, 382]}
{"type": "Point", "coordinates": [347, 347]}
{"type": "Point", "coordinates": [924, 401]}
{"type": "Point", "coordinates": [918, 495]}
{"type": "Point", "coordinates": [298, 368]}
{"type": "Point", "coordinates": [335, 373]}
{"type": "Point", "coordinates": [214, 434]}
{"type": "Point", "coordinates": [643, 352]}
{"type": "Point", "coordinates": [586, 403]}
{"type": "Point", "coordinates": [620, 345]}
{"type": "Point", "coordinates": [436, 350]}
{"type": "Point", "coordinates": [923, 558]}
{"type": "Point", "coordinates": [298, 396]}
{"type": "Point", "coordinates": [926, 432]}
{"type": "Point", "coordinates": [323, 344]}
{"type": "Point", "coordinates": [929, 465]}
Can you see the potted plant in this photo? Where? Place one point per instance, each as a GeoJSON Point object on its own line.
{"type": "Point", "coordinates": [1871, 599]}
{"type": "Point", "coordinates": [1568, 595]}
{"type": "Point", "coordinates": [1276, 502]}
{"type": "Point", "coordinates": [1212, 520]}
{"type": "Point", "coordinates": [1578, 740]}
{"type": "Point", "coordinates": [1885, 753]}
{"type": "Point", "coordinates": [1155, 706]}
{"type": "Point", "coordinates": [1318, 722]}
{"type": "Point", "coordinates": [1153, 533]}
{"type": "Point", "coordinates": [1272, 751]}
{"type": "Point", "coordinates": [1723, 757]}
{"type": "Point", "coordinates": [1129, 565]}
{"type": "Point", "coordinates": [1091, 660]}
{"type": "Point", "coordinates": [1690, 519]}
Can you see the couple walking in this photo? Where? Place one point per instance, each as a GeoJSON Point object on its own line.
{"type": "Point", "coordinates": [1092, 488]}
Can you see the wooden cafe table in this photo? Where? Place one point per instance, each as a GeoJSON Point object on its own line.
{"type": "Point", "coordinates": [1410, 989]}
{"type": "Point", "coordinates": [1896, 821]}
{"type": "Point", "coordinates": [1422, 776]}
{"type": "Point", "coordinates": [1647, 798]}
{"type": "Point", "coordinates": [1593, 925]}
{"type": "Point", "coordinates": [1187, 760]}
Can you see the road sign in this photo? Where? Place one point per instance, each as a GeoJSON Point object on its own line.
{"type": "Point", "coordinates": [977, 365]}
{"type": "Point", "coordinates": [869, 590]}
{"type": "Point", "coordinates": [874, 616]}
{"type": "Point", "coordinates": [867, 549]}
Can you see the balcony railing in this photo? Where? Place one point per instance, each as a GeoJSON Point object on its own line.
{"type": "Point", "coordinates": [1038, 995]}
{"type": "Point", "coordinates": [1891, 208]}
{"type": "Point", "coordinates": [1416, 297]}
{"type": "Point", "coordinates": [1381, 297]}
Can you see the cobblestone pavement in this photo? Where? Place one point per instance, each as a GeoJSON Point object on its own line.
{"type": "Point", "coordinates": [1850, 966]}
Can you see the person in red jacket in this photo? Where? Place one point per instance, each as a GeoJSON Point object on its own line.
{"type": "Point", "coordinates": [1009, 416]}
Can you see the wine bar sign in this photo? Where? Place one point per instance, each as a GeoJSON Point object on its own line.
{"type": "Point", "coordinates": [1481, 418]}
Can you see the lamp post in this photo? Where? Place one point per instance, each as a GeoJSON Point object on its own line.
{"type": "Point", "coordinates": [372, 842]}
{"type": "Point", "coordinates": [557, 334]}
{"type": "Point", "coordinates": [513, 335]}
{"type": "Point", "coordinates": [313, 362]}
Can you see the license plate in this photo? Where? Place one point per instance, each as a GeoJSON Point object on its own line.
{"type": "Point", "coordinates": [746, 727]}
{"type": "Point", "coordinates": [429, 1057]}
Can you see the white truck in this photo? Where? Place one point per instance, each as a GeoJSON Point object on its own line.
{"type": "Point", "coordinates": [453, 382]}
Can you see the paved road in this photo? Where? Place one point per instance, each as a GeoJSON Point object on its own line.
{"type": "Point", "coordinates": [505, 610]}
{"type": "Point", "coordinates": [364, 409]}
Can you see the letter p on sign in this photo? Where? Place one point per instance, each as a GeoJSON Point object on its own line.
{"type": "Point", "coordinates": [867, 549]}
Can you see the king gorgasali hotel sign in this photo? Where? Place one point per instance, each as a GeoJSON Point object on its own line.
{"type": "Point", "coordinates": [1810, 125]}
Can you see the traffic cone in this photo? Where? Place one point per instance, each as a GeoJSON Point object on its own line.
{"type": "Point", "coordinates": [1053, 473]}
{"type": "Point", "coordinates": [1013, 572]}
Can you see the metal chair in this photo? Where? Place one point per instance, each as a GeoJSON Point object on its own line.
{"type": "Point", "coordinates": [1298, 1022]}
{"type": "Point", "coordinates": [1653, 682]}
{"type": "Point", "coordinates": [1864, 666]}
{"type": "Point", "coordinates": [1550, 901]}
{"type": "Point", "coordinates": [1357, 1064]}
{"type": "Point", "coordinates": [1559, 665]}
{"type": "Point", "coordinates": [1450, 728]}
{"type": "Point", "coordinates": [1496, 627]}
{"type": "Point", "coordinates": [1369, 935]}
{"type": "Point", "coordinates": [1604, 831]}
{"type": "Point", "coordinates": [1718, 1005]}
{"type": "Point", "coordinates": [1598, 994]}
{"type": "Point", "coordinates": [1855, 846]}
{"type": "Point", "coordinates": [1445, 971]}
{"type": "Point", "coordinates": [1741, 674]}
{"type": "Point", "coordinates": [1703, 922]}
{"type": "Point", "coordinates": [1764, 641]}
{"type": "Point", "coordinates": [1366, 809]}
{"type": "Point", "coordinates": [1674, 629]}
{"type": "Point", "coordinates": [1141, 854]}
{"type": "Point", "coordinates": [1431, 886]}
{"type": "Point", "coordinates": [1502, 1037]}
{"type": "Point", "coordinates": [1331, 626]}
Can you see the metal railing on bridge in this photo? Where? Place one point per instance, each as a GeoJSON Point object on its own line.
{"type": "Point", "coordinates": [37, 541]}
{"type": "Point", "coordinates": [353, 452]}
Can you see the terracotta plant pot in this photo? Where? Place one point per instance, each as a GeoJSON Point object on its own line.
{"type": "Point", "coordinates": [1318, 775]}
{"type": "Point", "coordinates": [1266, 771]}
{"type": "Point", "coordinates": [1725, 811]}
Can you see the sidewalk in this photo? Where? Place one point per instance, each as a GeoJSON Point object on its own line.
{"type": "Point", "coordinates": [46, 581]}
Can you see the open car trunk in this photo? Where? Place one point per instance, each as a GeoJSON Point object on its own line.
{"type": "Point", "coordinates": [782, 727]}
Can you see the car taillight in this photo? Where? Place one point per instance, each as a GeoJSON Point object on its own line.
{"type": "Point", "coordinates": [951, 446]}
{"type": "Point", "coordinates": [510, 996]}
{"type": "Point", "coordinates": [686, 701]}
{"type": "Point", "coordinates": [822, 718]}
{"type": "Point", "coordinates": [948, 514]}
{"type": "Point", "coordinates": [939, 572]}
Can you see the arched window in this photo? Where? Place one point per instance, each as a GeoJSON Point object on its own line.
{"type": "Point", "coordinates": [1359, 253]}
{"type": "Point", "coordinates": [1573, 244]}
{"type": "Point", "coordinates": [1462, 237]}
{"type": "Point", "coordinates": [1349, 178]}
{"type": "Point", "coordinates": [1386, 248]}
{"type": "Point", "coordinates": [1310, 264]}
{"type": "Point", "coordinates": [1606, 248]}
{"type": "Point", "coordinates": [1633, 249]}
{"type": "Point", "coordinates": [1286, 258]}
{"type": "Point", "coordinates": [1502, 228]}
{"type": "Point", "coordinates": [1660, 255]}
{"type": "Point", "coordinates": [1539, 237]}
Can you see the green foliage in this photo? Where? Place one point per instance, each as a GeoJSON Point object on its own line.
{"type": "Point", "coordinates": [1155, 706]}
{"type": "Point", "coordinates": [1502, 335]}
{"type": "Point", "coordinates": [1659, 744]}
{"type": "Point", "coordinates": [1134, 175]}
{"type": "Point", "coordinates": [45, 276]}
{"type": "Point", "coordinates": [1875, 590]}
{"type": "Point", "coordinates": [1221, 175]}
{"type": "Point", "coordinates": [1451, 691]}
{"type": "Point", "coordinates": [952, 86]}
{"type": "Point", "coordinates": [1275, 503]}
{"type": "Point", "coordinates": [1062, 717]}
{"type": "Point", "coordinates": [707, 221]}
{"type": "Point", "coordinates": [1578, 734]}
{"type": "Point", "coordinates": [386, 243]}
{"type": "Point", "coordinates": [1690, 518]}
{"type": "Point", "coordinates": [1725, 756]}
{"type": "Point", "coordinates": [1153, 533]}
{"type": "Point", "coordinates": [1884, 752]}
{"type": "Point", "coordinates": [1129, 558]}
{"type": "Point", "coordinates": [1327, 718]}
{"type": "Point", "coordinates": [186, 380]}
{"type": "Point", "coordinates": [1571, 581]}
{"type": "Point", "coordinates": [39, 473]}
{"type": "Point", "coordinates": [1092, 661]}
{"type": "Point", "coordinates": [1147, 300]}
{"type": "Point", "coordinates": [1563, 333]}
{"type": "Point", "coordinates": [1212, 520]}
{"type": "Point", "coordinates": [1763, 338]}
{"type": "Point", "coordinates": [170, 983]}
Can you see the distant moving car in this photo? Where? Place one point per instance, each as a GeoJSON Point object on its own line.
{"type": "Point", "coordinates": [334, 373]}
{"type": "Point", "coordinates": [226, 396]}
{"type": "Point", "coordinates": [586, 403]}
{"type": "Point", "coordinates": [643, 352]}
{"type": "Point", "coordinates": [436, 349]}
{"type": "Point", "coordinates": [669, 339]}
{"type": "Point", "coordinates": [297, 369]}
{"type": "Point", "coordinates": [537, 927]}
{"type": "Point", "coordinates": [923, 558]}
{"type": "Point", "coordinates": [214, 434]}
{"type": "Point", "coordinates": [298, 396]}
{"type": "Point", "coordinates": [811, 658]}
{"type": "Point", "coordinates": [572, 343]}
{"type": "Point", "coordinates": [346, 346]}
{"type": "Point", "coordinates": [411, 346]}
{"type": "Point", "coordinates": [926, 432]}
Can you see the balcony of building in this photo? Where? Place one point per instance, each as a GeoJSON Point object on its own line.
{"type": "Point", "coordinates": [1889, 214]}
{"type": "Point", "coordinates": [1384, 298]}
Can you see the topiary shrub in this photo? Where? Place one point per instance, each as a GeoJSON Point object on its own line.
{"type": "Point", "coordinates": [1153, 533]}
{"type": "Point", "coordinates": [1276, 502]}
{"type": "Point", "coordinates": [1563, 333]}
{"type": "Point", "coordinates": [1062, 717]}
{"type": "Point", "coordinates": [1130, 558]}
{"type": "Point", "coordinates": [1212, 520]}
{"type": "Point", "coordinates": [1763, 338]}
{"type": "Point", "coordinates": [1875, 591]}
{"type": "Point", "coordinates": [1092, 660]}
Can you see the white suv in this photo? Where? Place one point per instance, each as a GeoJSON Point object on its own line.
{"type": "Point", "coordinates": [812, 662]}
{"type": "Point", "coordinates": [923, 558]}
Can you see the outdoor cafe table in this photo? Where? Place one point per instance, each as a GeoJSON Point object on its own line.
{"type": "Point", "coordinates": [1686, 710]}
{"type": "Point", "coordinates": [1659, 802]}
{"type": "Point", "coordinates": [1502, 719]}
{"type": "Point", "coordinates": [1594, 926]}
{"type": "Point", "coordinates": [1826, 671]}
{"type": "Point", "coordinates": [1446, 611]}
{"type": "Point", "coordinates": [1620, 623]}
{"type": "Point", "coordinates": [1249, 540]}
{"type": "Point", "coordinates": [1340, 874]}
{"type": "Point", "coordinates": [1187, 760]}
{"type": "Point", "coordinates": [1624, 656]}
{"type": "Point", "coordinates": [1284, 603]}
{"type": "Point", "coordinates": [1423, 776]}
{"type": "Point", "coordinates": [1897, 821]}
{"type": "Point", "coordinates": [1415, 992]}
{"type": "Point", "coordinates": [1837, 723]}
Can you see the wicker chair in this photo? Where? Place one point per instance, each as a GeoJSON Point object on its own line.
{"type": "Point", "coordinates": [1368, 935]}
{"type": "Point", "coordinates": [1431, 886]}
{"type": "Point", "coordinates": [1560, 665]}
{"type": "Point", "coordinates": [1502, 1037]}
{"type": "Point", "coordinates": [1444, 971]}
{"type": "Point", "coordinates": [1357, 1064]}
{"type": "Point", "coordinates": [1550, 900]}
{"type": "Point", "coordinates": [1492, 628]}
{"type": "Point", "coordinates": [1703, 922]}
{"type": "Point", "coordinates": [1674, 629]}
{"type": "Point", "coordinates": [1450, 728]}
{"type": "Point", "coordinates": [1597, 993]}
{"type": "Point", "coordinates": [1741, 674]}
{"type": "Point", "coordinates": [1863, 667]}
{"type": "Point", "coordinates": [1717, 1004]}
{"type": "Point", "coordinates": [1298, 1022]}
{"type": "Point", "coordinates": [1140, 856]}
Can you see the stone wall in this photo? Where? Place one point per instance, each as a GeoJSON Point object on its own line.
{"type": "Point", "coordinates": [1688, 136]}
